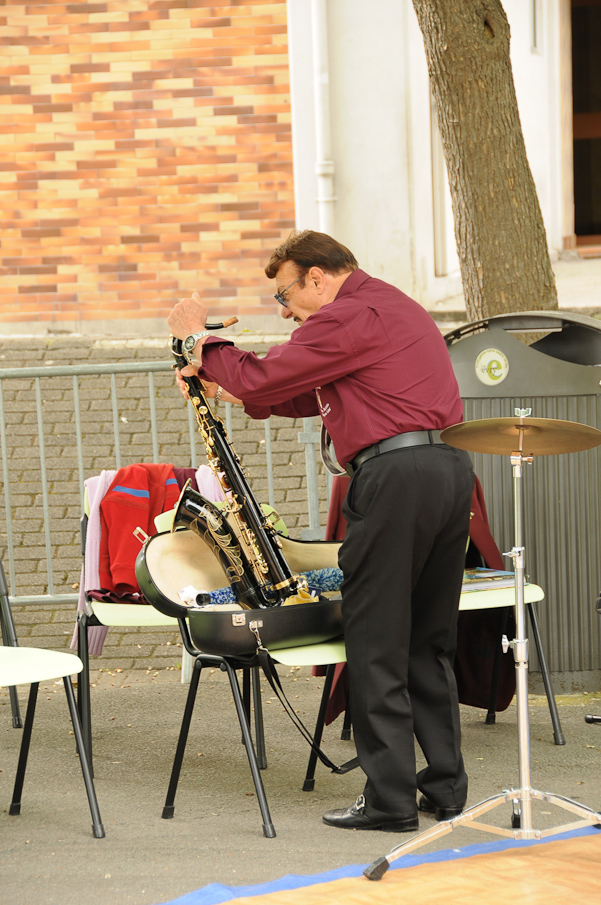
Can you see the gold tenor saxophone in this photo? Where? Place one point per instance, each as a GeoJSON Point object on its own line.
{"type": "Point", "coordinates": [238, 532]}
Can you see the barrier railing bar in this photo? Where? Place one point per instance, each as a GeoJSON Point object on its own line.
{"type": "Point", "coordinates": [78, 440]}
{"type": "Point", "coordinates": [82, 370]}
{"type": "Point", "coordinates": [309, 437]}
{"type": "Point", "coordinates": [42, 599]}
{"type": "Point", "coordinates": [269, 458]}
{"type": "Point", "coordinates": [192, 428]}
{"type": "Point", "coordinates": [153, 418]}
{"type": "Point", "coordinates": [44, 480]}
{"type": "Point", "coordinates": [115, 408]}
{"type": "Point", "coordinates": [7, 506]}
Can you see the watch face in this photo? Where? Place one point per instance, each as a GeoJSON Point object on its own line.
{"type": "Point", "coordinates": [189, 343]}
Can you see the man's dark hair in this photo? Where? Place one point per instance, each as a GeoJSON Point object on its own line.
{"type": "Point", "coordinates": [310, 249]}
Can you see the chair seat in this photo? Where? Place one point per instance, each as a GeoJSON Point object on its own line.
{"type": "Point", "coordinates": [129, 614]}
{"type": "Point", "coordinates": [490, 599]}
{"type": "Point", "coordinates": [335, 651]}
{"type": "Point", "coordinates": [312, 654]}
{"type": "Point", "coordinates": [27, 665]}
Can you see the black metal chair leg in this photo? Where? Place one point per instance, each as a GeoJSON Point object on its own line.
{"type": "Point", "coordinates": [251, 691]}
{"type": "Point", "coordinates": [309, 783]}
{"type": "Point", "coordinates": [169, 807]}
{"type": "Point", "coordinates": [557, 730]}
{"type": "Point", "coordinates": [246, 693]}
{"type": "Point", "coordinates": [15, 805]}
{"type": "Point", "coordinates": [268, 828]}
{"type": "Point", "coordinates": [255, 678]}
{"type": "Point", "coordinates": [97, 827]}
{"type": "Point", "coordinates": [9, 638]}
{"type": "Point", "coordinates": [14, 706]}
{"type": "Point", "coordinates": [84, 705]}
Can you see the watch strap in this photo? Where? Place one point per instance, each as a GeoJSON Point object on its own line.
{"type": "Point", "coordinates": [189, 355]}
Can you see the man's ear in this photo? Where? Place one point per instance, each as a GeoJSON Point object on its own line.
{"type": "Point", "coordinates": [318, 277]}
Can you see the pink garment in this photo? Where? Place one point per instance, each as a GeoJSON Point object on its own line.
{"type": "Point", "coordinates": [96, 488]}
{"type": "Point", "coordinates": [208, 485]}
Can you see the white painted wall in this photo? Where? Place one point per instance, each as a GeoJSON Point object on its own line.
{"type": "Point", "coordinates": [536, 77]}
{"type": "Point", "coordinates": [381, 134]}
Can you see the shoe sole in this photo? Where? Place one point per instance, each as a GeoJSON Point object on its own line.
{"type": "Point", "coordinates": [383, 827]}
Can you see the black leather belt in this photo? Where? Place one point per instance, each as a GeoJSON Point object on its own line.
{"type": "Point", "coordinates": [401, 441]}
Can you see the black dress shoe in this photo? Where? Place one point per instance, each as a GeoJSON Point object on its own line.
{"type": "Point", "coordinates": [355, 818]}
{"type": "Point", "coordinates": [424, 804]}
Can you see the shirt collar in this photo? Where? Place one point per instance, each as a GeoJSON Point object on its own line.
{"type": "Point", "coordinates": [352, 283]}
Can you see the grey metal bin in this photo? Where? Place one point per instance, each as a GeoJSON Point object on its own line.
{"type": "Point", "coordinates": [557, 376]}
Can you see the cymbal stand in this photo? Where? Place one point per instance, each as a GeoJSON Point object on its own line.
{"type": "Point", "coordinates": [522, 797]}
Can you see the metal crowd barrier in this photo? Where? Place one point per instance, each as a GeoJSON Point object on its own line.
{"type": "Point", "coordinates": [42, 413]}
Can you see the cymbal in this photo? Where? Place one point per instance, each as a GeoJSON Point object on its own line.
{"type": "Point", "coordinates": [528, 436]}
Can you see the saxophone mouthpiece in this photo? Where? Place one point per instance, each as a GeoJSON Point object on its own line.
{"type": "Point", "coordinates": [223, 325]}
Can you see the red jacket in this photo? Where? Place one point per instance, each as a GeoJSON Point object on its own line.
{"type": "Point", "coordinates": [138, 493]}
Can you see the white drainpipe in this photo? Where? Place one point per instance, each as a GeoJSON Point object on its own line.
{"type": "Point", "coordinates": [324, 165]}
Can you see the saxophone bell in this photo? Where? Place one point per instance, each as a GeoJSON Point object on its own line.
{"type": "Point", "coordinates": [210, 523]}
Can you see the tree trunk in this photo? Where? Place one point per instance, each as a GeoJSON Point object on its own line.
{"type": "Point", "coordinates": [499, 228]}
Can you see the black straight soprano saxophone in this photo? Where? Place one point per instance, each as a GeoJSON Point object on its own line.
{"type": "Point", "coordinates": [240, 534]}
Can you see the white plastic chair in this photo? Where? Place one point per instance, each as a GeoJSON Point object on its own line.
{"type": "Point", "coordinates": [30, 666]}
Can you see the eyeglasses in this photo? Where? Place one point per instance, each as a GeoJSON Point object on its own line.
{"type": "Point", "coordinates": [279, 296]}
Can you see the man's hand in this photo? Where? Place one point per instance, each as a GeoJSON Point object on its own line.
{"type": "Point", "coordinates": [210, 389]}
{"type": "Point", "coordinates": [188, 371]}
{"type": "Point", "coordinates": [188, 316]}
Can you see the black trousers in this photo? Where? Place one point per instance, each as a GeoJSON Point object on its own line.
{"type": "Point", "coordinates": [403, 558]}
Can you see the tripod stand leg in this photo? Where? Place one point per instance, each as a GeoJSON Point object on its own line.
{"type": "Point", "coordinates": [470, 817]}
{"type": "Point", "coordinates": [557, 731]}
{"type": "Point", "coordinates": [377, 870]}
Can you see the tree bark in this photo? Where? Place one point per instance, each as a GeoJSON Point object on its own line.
{"type": "Point", "coordinates": [499, 228]}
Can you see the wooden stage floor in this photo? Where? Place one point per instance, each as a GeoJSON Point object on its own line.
{"type": "Point", "coordinates": [559, 872]}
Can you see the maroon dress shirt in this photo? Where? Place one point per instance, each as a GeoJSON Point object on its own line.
{"type": "Point", "coordinates": [372, 363]}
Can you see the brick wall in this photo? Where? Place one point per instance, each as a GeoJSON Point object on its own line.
{"type": "Point", "coordinates": [145, 151]}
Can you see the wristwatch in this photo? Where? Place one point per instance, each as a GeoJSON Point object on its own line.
{"type": "Point", "coordinates": [189, 344]}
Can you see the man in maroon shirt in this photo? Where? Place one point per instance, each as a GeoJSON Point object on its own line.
{"type": "Point", "coordinates": [373, 364]}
